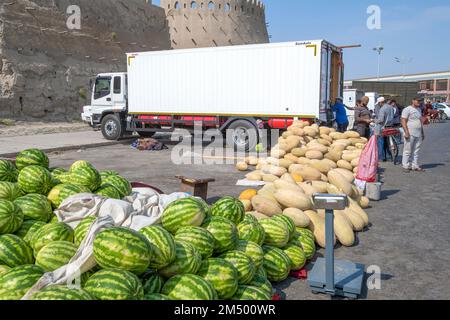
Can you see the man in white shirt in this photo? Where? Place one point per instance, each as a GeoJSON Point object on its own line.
{"type": "Point", "coordinates": [413, 134]}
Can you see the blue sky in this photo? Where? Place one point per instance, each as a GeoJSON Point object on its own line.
{"type": "Point", "coordinates": [414, 30]}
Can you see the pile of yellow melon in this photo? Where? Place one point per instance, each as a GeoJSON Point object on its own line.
{"type": "Point", "coordinates": [309, 159]}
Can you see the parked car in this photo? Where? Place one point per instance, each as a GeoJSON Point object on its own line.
{"type": "Point", "coordinates": [444, 107]}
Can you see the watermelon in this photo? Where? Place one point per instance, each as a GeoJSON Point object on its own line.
{"type": "Point", "coordinates": [156, 296]}
{"type": "Point", "coordinates": [35, 179]}
{"type": "Point", "coordinates": [276, 263]}
{"type": "Point", "coordinates": [183, 213]}
{"type": "Point", "coordinates": [81, 230]}
{"type": "Point", "coordinates": [230, 208]}
{"type": "Point", "coordinates": [253, 250]}
{"type": "Point", "coordinates": [61, 192]}
{"type": "Point", "coordinates": [277, 232]}
{"type": "Point", "coordinates": [261, 282]}
{"type": "Point", "coordinates": [289, 222]}
{"type": "Point", "coordinates": [17, 281]}
{"type": "Point", "coordinates": [60, 292]}
{"type": "Point", "coordinates": [222, 275]}
{"type": "Point", "coordinates": [163, 246]}
{"type": "Point", "coordinates": [249, 218]}
{"type": "Point", "coordinates": [106, 173]}
{"type": "Point", "coordinates": [122, 248]}
{"type": "Point", "coordinates": [262, 272]}
{"type": "Point", "coordinates": [189, 287]}
{"type": "Point", "coordinates": [28, 228]}
{"type": "Point", "coordinates": [205, 206]}
{"type": "Point", "coordinates": [251, 231]}
{"type": "Point", "coordinates": [79, 164]}
{"type": "Point", "coordinates": [296, 255]}
{"type": "Point", "coordinates": [120, 183]}
{"type": "Point", "coordinates": [4, 269]}
{"type": "Point", "coordinates": [200, 238]}
{"type": "Point", "coordinates": [35, 207]}
{"type": "Point", "coordinates": [86, 176]}
{"type": "Point", "coordinates": [224, 232]}
{"type": "Point", "coordinates": [55, 255]}
{"type": "Point", "coordinates": [57, 231]}
{"type": "Point", "coordinates": [251, 293]}
{"type": "Point", "coordinates": [54, 219]}
{"type": "Point", "coordinates": [243, 263]}
{"type": "Point", "coordinates": [153, 284]}
{"type": "Point", "coordinates": [14, 251]}
{"type": "Point", "coordinates": [11, 217]}
{"type": "Point", "coordinates": [31, 157]}
{"type": "Point", "coordinates": [187, 260]}
{"type": "Point", "coordinates": [306, 240]}
{"type": "Point", "coordinates": [114, 284]}
{"type": "Point", "coordinates": [56, 171]}
{"type": "Point", "coordinates": [305, 232]}
{"type": "Point", "coordinates": [8, 171]}
{"type": "Point", "coordinates": [108, 191]}
{"type": "Point", "coordinates": [9, 191]}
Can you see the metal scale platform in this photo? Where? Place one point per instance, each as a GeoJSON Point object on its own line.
{"type": "Point", "coordinates": [336, 278]}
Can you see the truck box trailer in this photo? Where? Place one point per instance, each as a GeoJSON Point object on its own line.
{"type": "Point", "coordinates": [241, 88]}
{"type": "Point", "coordinates": [350, 98]}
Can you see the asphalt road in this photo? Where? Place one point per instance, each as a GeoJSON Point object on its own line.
{"type": "Point", "coordinates": [409, 236]}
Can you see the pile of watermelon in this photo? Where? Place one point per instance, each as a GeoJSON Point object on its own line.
{"type": "Point", "coordinates": [198, 252]}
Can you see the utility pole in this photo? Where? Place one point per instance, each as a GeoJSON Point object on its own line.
{"type": "Point", "coordinates": [379, 50]}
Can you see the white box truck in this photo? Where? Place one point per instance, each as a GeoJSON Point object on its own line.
{"type": "Point", "coordinates": [241, 88]}
{"type": "Point", "coordinates": [350, 98]}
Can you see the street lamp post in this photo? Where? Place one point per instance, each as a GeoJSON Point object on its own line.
{"type": "Point", "coordinates": [379, 50]}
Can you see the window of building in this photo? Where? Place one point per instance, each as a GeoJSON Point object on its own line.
{"type": "Point", "coordinates": [194, 5]}
{"type": "Point", "coordinates": [117, 86]}
{"type": "Point", "coordinates": [211, 5]}
{"type": "Point", "coordinates": [442, 85]}
{"type": "Point", "coordinates": [227, 7]}
{"type": "Point", "coordinates": [177, 5]}
{"type": "Point", "coordinates": [427, 85]}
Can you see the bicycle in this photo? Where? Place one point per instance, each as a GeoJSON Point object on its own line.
{"type": "Point", "coordinates": [393, 138]}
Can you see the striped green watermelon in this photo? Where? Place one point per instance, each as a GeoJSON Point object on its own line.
{"type": "Point", "coordinates": [11, 217]}
{"type": "Point", "coordinates": [55, 255]}
{"type": "Point", "coordinates": [122, 248]}
{"type": "Point", "coordinates": [187, 260]}
{"type": "Point", "coordinates": [14, 251]}
{"type": "Point", "coordinates": [62, 178]}
{"type": "Point", "coordinates": [31, 157]}
{"type": "Point", "coordinates": [106, 173]}
{"type": "Point", "coordinates": [153, 284]}
{"type": "Point", "coordinates": [307, 243]}
{"type": "Point", "coordinates": [156, 296]}
{"type": "Point", "coordinates": [8, 171]}
{"type": "Point", "coordinates": [35, 179]}
{"type": "Point", "coordinates": [263, 283]}
{"type": "Point", "coordinates": [80, 164]}
{"type": "Point", "coordinates": [251, 293]}
{"type": "Point", "coordinates": [4, 269]}
{"type": "Point", "coordinates": [108, 191]}
{"type": "Point", "coordinates": [222, 275]}
{"type": "Point", "coordinates": [17, 281]}
{"type": "Point", "coordinates": [54, 219]}
{"type": "Point", "coordinates": [249, 218]}
{"type": "Point", "coordinates": [276, 263]}
{"type": "Point", "coordinates": [10, 191]}
{"type": "Point", "coordinates": [57, 170]}
{"type": "Point", "coordinates": [230, 208]}
{"type": "Point", "coordinates": [253, 250]}
{"type": "Point", "coordinates": [305, 232]}
{"type": "Point", "coordinates": [277, 232]}
{"type": "Point", "coordinates": [224, 232]}
{"type": "Point", "coordinates": [243, 263]}
{"type": "Point", "coordinates": [61, 192]}
{"type": "Point", "coordinates": [251, 231]}
{"type": "Point", "coordinates": [183, 213]}
{"type": "Point", "coordinates": [60, 292]}
{"type": "Point", "coordinates": [289, 222]}
{"type": "Point", "coordinates": [28, 228]}
{"type": "Point", "coordinates": [57, 231]}
{"type": "Point", "coordinates": [189, 287]}
{"type": "Point", "coordinates": [86, 176]}
{"type": "Point", "coordinates": [163, 246]}
{"type": "Point", "coordinates": [200, 238]}
{"type": "Point", "coordinates": [205, 206]}
{"type": "Point", "coordinates": [120, 183]}
{"type": "Point", "coordinates": [35, 207]}
{"type": "Point", "coordinates": [81, 230]}
{"type": "Point", "coordinates": [296, 255]}
{"type": "Point", "coordinates": [262, 272]}
{"type": "Point", "coordinates": [114, 284]}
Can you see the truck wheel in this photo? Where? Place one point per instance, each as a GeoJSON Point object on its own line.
{"type": "Point", "coordinates": [111, 127]}
{"type": "Point", "coordinates": [242, 135]}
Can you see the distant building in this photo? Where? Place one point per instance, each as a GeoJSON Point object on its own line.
{"type": "Point", "coordinates": [433, 85]}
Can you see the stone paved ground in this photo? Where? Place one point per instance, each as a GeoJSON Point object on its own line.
{"type": "Point", "coordinates": [410, 234]}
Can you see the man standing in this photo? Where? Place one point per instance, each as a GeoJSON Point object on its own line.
{"type": "Point", "coordinates": [341, 114]}
{"type": "Point", "coordinates": [398, 114]}
{"type": "Point", "coordinates": [414, 135]}
{"type": "Point", "coordinates": [378, 105]}
{"type": "Point", "coordinates": [362, 117]}
{"type": "Point", "coordinates": [385, 119]}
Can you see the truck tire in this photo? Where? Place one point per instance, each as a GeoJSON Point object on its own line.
{"type": "Point", "coordinates": [112, 127]}
{"type": "Point", "coordinates": [242, 135]}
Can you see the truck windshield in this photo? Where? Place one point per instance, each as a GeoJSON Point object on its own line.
{"type": "Point", "coordinates": [102, 87]}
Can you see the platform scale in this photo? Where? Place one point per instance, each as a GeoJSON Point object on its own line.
{"type": "Point", "coordinates": [336, 278]}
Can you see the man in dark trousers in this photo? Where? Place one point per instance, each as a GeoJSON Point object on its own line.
{"type": "Point", "coordinates": [341, 114]}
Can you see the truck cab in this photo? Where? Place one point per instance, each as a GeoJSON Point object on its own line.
{"type": "Point", "coordinates": [109, 96]}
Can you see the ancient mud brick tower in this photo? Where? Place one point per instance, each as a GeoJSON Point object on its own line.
{"type": "Point", "coordinates": [209, 23]}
